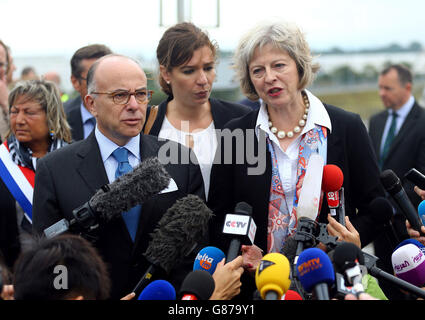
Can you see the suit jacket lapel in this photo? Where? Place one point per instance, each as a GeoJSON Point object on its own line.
{"type": "Point", "coordinates": [91, 166]}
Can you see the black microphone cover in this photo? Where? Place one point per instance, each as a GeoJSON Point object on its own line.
{"type": "Point", "coordinates": [200, 283]}
{"type": "Point", "coordinates": [131, 189]}
{"type": "Point", "coordinates": [243, 208]}
{"type": "Point", "coordinates": [289, 249]}
{"type": "Point", "coordinates": [179, 230]}
{"type": "Point", "coordinates": [344, 256]}
{"type": "Point", "coordinates": [381, 210]}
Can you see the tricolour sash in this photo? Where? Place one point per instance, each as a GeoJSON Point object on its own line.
{"type": "Point", "coordinates": [19, 180]}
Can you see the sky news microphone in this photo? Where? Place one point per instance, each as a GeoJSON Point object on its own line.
{"type": "Point", "coordinates": [241, 227]}
{"type": "Point", "coordinates": [198, 285]}
{"type": "Point", "coordinates": [392, 184]}
{"type": "Point", "coordinates": [108, 203]}
{"type": "Point", "coordinates": [332, 181]}
{"type": "Point", "coordinates": [272, 276]}
{"type": "Point", "coordinates": [315, 272]}
{"type": "Point", "coordinates": [158, 290]}
{"type": "Point", "coordinates": [181, 228]}
{"type": "Point", "coordinates": [207, 259]}
{"type": "Point", "coordinates": [409, 264]}
{"type": "Point", "coordinates": [349, 261]}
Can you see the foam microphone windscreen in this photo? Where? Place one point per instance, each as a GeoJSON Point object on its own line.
{"type": "Point", "coordinates": [380, 210]}
{"type": "Point", "coordinates": [409, 264]}
{"type": "Point", "coordinates": [291, 295]}
{"type": "Point", "coordinates": [333, 178]}
{"type": "Point", "coordinates": [158, 290]}
{"type": "Point", "coordinates": [411, 241]}
{"type": "Point", "coordinates": [309, 200]}
{"type": "Point", "coordinates": [314, 267]}
{"type": "Point", "coordinates": [198, 284]}
{"type": "Point", "coordinates": [183, 226]}
{"type": "Point", "coordinates": [207, 259]}
{"type": "Point", "coordinates": [273, 274]}
{"type": "Point", "coordinates": [131, 189]}
{"type": "Point", "coordinates": [346, 255]}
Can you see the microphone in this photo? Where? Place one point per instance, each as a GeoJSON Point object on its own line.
{"type": "Point", "coordinates": [349, 261]}
{"type": "Point", "coordinates": [393, 186]}
{"type": "Point", "coordinates": [417, 178]}
{"type": "Point", "coordinates": [411, 241]}
{"type": "Point", "coordinates": [315, 272]}
{"type": "Point", "coordinates": [198, 285]}
{"type": "Point", "coordinates": [207, 259]}
{"type": "Point", "coordinates": [409, 264]}
{"type": "Point", "coordinates": [158, 290]}
{"type": "Point", "coordinates": [421, 211]}
{"type": "Point", "coordinates": [145, 181]}
{"type": "Point", "coordinates": [291, 295]}
{"type": "Point", "coordinates": [333, 179]}
{"type": "Point", "coordinates": [370, 263]}
{"type": "Point", "coordinates": [242, 227]}
{"type": "Point", "coordinates": [272, 276]}
{"type": "Point", "coordinates": [178, 232]}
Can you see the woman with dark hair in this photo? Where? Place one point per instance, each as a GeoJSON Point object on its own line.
{"type": "Point", "coordinates": [187, 59]}
{"type": "Point", "coordinates": [37, 126]}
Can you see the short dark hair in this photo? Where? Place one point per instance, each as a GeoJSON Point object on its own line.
{"type": "Point", "coordinates": [403, 72]}
{"type": "Point", "coordinates": [93, 51]}
{"type": "Point", "coordinates": [87, 275]}
{"type": "Point", "coordinates": [177, 46]}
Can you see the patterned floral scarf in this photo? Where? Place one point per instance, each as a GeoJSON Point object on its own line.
{"type": "Point", "coordinates": [281, 222]}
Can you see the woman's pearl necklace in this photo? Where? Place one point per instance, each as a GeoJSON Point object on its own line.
{"type": "Point", "coordinates": [282, 134]}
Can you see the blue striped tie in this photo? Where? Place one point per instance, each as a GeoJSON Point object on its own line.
{"type": "Point", "coordinates": [131, 217]}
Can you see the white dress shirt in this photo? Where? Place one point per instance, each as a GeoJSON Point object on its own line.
{"type": "Point", "coordinates": [288, 161]}
{"type": "Point", "coordinates": [106, 147]}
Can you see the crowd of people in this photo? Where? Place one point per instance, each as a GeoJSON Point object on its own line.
{"type": "Point", "coordinates": [56, 156]}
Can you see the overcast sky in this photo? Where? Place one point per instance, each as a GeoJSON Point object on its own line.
{"type": "Point", "coordinates": [52, 27]}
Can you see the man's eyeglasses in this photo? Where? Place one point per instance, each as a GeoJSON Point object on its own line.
{"type": "Point", "coordinates": [122, 96]}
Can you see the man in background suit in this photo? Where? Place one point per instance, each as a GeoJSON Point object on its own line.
{"type": "Point", "coordinates": [69, 178]}
{"type": "Point", "coordinates": [79, 117]}
{"type": "Point", "coordinates": [398, 138]}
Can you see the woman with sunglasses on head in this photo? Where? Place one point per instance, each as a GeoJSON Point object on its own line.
{"type": "Point", "coordinates": [37, 126]}
{"type": "Point", "coordinates": [187, 59]}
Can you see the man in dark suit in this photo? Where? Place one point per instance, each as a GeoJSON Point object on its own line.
{"type": "Point", "coordinates": [67, 179]}
{"type": "Point", "coordinates": [398, 138]}
{"type": "Point", "coordinates": [79, 117]}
